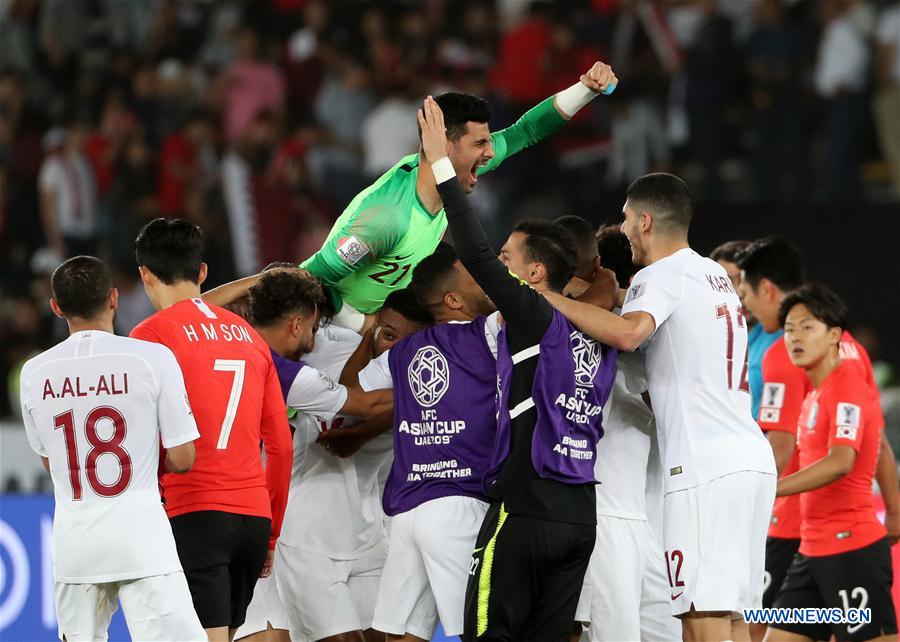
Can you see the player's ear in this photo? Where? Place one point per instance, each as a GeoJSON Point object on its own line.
{"type": "Point", "coordinates": [203, 272]}
{"type": "Point", "coordinates": [56, 309]}
{"type": "Point", "coordinates": [834, 336]}
{"type": "Point", "coordinates": [537, 272]}
{"type": "Point", "coordinates": [114, 299]}
{"type": "Point", "coordinates": [645, 221]}
{"type": "Point", "coordinates": [453, 300]}
{"type": "Point", "coordinates": [146, 275]}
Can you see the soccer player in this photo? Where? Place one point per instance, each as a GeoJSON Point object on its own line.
{"type": "Point", "coordinates": [720, 473]}
{"type": "Point", "coordinates": [444, 385]}
{"type": "Point", "coordinates": [111, 538]}
{"type": "Point", "coordinates": [771, 267]}
{"type": "Point", "coordinates": [845, 558]}
{"type": "Point", "coordinates": [552, 383]}
{"type": "Point", "coordinates": [285, 307]}
{"type": "Point", "coordinates": [758, 340]}
{"type": "Point", "coordinates": [397, 221]}
{"type": "Point", "coordinates": [628, 588]}
{"type": "Point", "coordinates": [226, 513]}
{"type": "Point", "coordinates": [586, 245]}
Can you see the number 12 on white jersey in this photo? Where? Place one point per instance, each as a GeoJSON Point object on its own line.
{"type": "Point", "coordinates": [722, 312]}
{"type": "Point", "coordinates": [237, 385]}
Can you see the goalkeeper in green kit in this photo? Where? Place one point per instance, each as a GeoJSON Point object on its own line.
{"type": "Point", "coordinates": [398, 220]}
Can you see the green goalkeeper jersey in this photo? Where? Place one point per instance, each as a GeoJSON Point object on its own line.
{"type": "Point", "coordinates": [385, 231]}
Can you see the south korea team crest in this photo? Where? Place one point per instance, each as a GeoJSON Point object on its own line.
{"type": "Point", "coordinates": [587, 355]}
{"type": "Point", "coordinates": [429, 376]}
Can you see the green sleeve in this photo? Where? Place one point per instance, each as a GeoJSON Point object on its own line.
{"type": "Point", "coordinates": [534, 126]}
{"type": "Point", "coordinates": [357, 240]}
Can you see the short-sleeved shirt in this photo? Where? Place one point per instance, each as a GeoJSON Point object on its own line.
{"type": "Point", "coordinates": [785, 386]}
{"type": "Point", "coordinates": [696, 363]}
{"type": "Point", "coordinates": [842, 411]}
{"type": "Point", "coordinates": [233, 386]}
{"type": "Point", "coordinates": [758, 341]}
{"type": "Point", "coordinates": [97, 406]}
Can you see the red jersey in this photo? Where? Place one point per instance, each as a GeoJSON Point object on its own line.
{"type": "Point", "coordinates": [843, 411]}
{"type": "Point", "coordinates": [234, 391]}
{"type": "Point", "coordinates": [785, 386]}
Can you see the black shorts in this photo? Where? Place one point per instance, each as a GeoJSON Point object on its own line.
{"type": "Point", "coordinates": [525, 579]}
{"type": "Point", "coordinates": [857, 579]}
{"type": "Point", "coordinates": [780, 553]}
{"type": "Point", "coordinates": [222, 555]}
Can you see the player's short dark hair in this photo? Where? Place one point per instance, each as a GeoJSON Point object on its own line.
{"type": "Point", "coordinates": [433, 273]}
{"type": "Point", "coordinates": [819, 299]}
{"type": "Point", "coordinates": [171, 248]}
{"type": "Point", "coordinates": [81, 287]}
{"type": "Point", "coordinates": [459, 109]}
{"type": "Point", "coordinates": [551, 245]}
{"type": "Point", "coordinates": [773, 258]}
{"type": "Point", "coordinates": [615, 253]}
{"type": "Point", "coordinates": [729, 251]}
{"type": "Point", "coordinates": [277, 295]}
{"type": "Point", "coordinates": [585, 242]}
{"type": "Point", "coordinates": [666, 197]}
{"type": "Point", "coordinates": [405, 303]}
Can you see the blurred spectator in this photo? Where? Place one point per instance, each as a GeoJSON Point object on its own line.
{"type": "Point", "coordinates": [68, 193]}
{"type": "Point", "coordinates": [340, 108]}
{"type": "Point", "coordinates": [840, 78]}
{"type": "Point", "coordinates": [105, 144]}
{"type": "Point", "coordinates": [389, 132]}
{"type": "Point", "coordinates": [134, 305]}
{"type": "Point", "coordinates": [775, 57]}
{"type": "Point", "coordinates": [251, 85]}
{"type": "Point", "coordinates": [518, 72]}
{"type": "Point", "coordinates": [187, 156]}
{"type": "Point", "coordinates": [887, 98]}
{"type": "Point", "coordinates": [709, 69]}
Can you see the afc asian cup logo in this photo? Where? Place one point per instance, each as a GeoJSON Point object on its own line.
{"type": "Point", "coordinates": [587, 355]}
{"type": "Point", "coordinates": [429, 376]}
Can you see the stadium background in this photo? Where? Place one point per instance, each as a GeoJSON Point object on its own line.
{"type": "Point", "coordinates": [259, 120]}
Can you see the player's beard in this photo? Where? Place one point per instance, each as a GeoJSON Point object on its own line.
{"type": "Point", "coordinates": [638, 255]}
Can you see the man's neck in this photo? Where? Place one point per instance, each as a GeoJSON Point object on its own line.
{"type": "Point", "coordinates": [820, 371]}
{"type": "Point", "coordinates": [271, 338]}
{"type": "Point", "coordinates": [90, 325]}
{"type": "Point", "coordinates": [426, 187]}
{"type": "Point", "coordinates": [663, 247]}
{"type": "Point", "coordinates": [169, 295]}
{"type": "Point", "coordinates": [446, 315]}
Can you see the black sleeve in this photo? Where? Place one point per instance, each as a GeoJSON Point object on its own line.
{"type": "Point", "coordinates": [523, 308]}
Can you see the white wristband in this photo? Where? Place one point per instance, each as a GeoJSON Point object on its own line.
{"type": "Point", "coordinates": [350, 318]}
{"type": "Point", "coordinates": [443, 170]}
{"type": "Point", "coordinates": [574, 98]}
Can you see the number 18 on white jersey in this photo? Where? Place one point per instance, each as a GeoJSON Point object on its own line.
{"type": "Point", "coordinates": [97, 406]}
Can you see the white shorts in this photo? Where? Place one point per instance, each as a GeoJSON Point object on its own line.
{"type": "Point", "coordinates": [629, 597]}
{"type": "Point", "coordinates": [427, 568]}
{"type": "Point", "coordinates": [155, 608]}
{"type": "Point", "coordinates": [715, 542]}
{"type": "Point", "coordinates": [264, 609]}
{"type": "Point", "coordinates": [324, 596]}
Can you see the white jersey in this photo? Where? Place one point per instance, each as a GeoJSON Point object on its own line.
{"type": "Point", "coordinates": [623, 453]}
{"type": "Point", "coordinates": [331, 510]}
{"type": "Point", "coordinates": [96, 406]}
{"type": "Point", "coordinates": [697, 370]}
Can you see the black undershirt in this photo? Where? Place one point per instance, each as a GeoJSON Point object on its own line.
{"type": "Point", "coordinates": [527, 316]}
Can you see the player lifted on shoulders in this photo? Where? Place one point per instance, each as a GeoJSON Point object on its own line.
{"type": "Point", "coordinates": [227, 512]}
{"type": "Point", "coordinates": [111, 537]}
{"type": "Point", "coordinates": [719, 469]}
{"type": "Point", "coordinates": [398, 220]}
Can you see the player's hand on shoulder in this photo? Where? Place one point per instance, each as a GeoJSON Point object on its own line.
{"type": "Point", "coordinates": [599, 78]}
{"type": "Point", "coordinates": [434, 132]}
